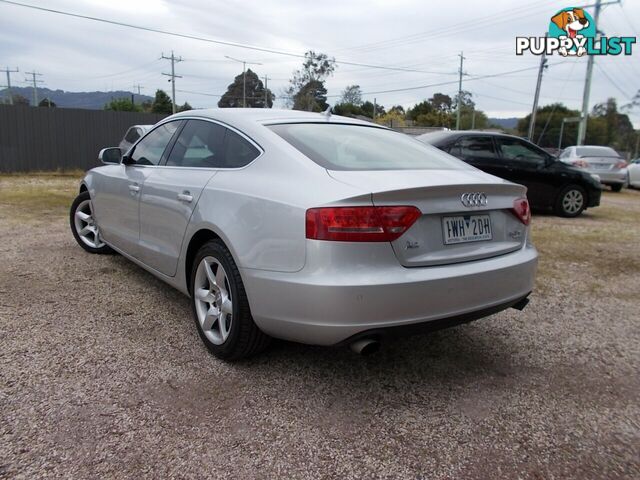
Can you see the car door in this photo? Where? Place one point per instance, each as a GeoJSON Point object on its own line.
{"type": "Point", "coordinates": [171, 192]}
{"type": "Point", "coordinates": [527, 165]}
{"type": "Point", "coordinates": [117, 194]}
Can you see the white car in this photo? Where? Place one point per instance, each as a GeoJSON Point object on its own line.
{"type": "Point", "coordinates": [135, 133]}
{"type": "Point", "coordinates": [634, 173]}
{"type": "Point", "coordinates": [308, 227]}
{"type": "Point", "coordinates": [604, 162]}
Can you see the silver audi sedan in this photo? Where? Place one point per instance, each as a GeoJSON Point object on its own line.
{"type": "Point", "coordinates": [308, 227]}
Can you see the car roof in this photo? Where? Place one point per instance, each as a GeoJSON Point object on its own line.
{"type": "Point", "coordinates": [443, 134]}
{"type": "Point", "coordinates": [267, 116]}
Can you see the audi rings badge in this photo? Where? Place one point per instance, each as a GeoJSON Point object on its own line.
{"type": "Point", "coordinates": [474, 199]}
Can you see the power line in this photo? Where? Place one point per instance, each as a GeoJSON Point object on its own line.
{"type": "Point", "coordinates": [208, 40]}
{"type": "Point", "coordinates": [613, 82]}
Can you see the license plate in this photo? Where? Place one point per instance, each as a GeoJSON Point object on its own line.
{"type": "Point", "coordinates": [466, 228]}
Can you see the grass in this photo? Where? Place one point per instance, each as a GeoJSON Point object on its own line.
{"type": "Point", "coordinates": [32, 196]}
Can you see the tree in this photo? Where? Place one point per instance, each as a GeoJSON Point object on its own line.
{"type": "Point", "coordinates": [317, 67]}
{"type": "Point", "coordinates": [162, 103]}
{"type": "Point", "coordinates": [185, 107]}
{"type": "Point", "coordinates": [45, 102]}
{"type": "Point", "coordinates": [254, 92]}
{"type": "Point", "coordinates": [352, 94]}
{"type": "Point", "coordinates": [441, 102]}
{"type": "Point", "coordinates": [347, 109]}
{"type": "Point", "coordinates": [548, 123]}
{"type": "Point", "coordinates": [393, 118]}
{"type": "Point", "coordinates": [20, 101]}
{"type": "Point", "coordinates": [367, 109]}
{"type": "Point", "coordinates": [311, 97]}
{"type": "Point", "coordinates": [122, 105]}
{"type": "Point", "coordinates": [419, 109]}
{"type": "Point", "coordinates": [397, 109]}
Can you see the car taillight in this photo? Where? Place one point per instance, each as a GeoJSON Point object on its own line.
{"type": "Point", "coordinates": [580, 163]}
{"type": "Point", "coordinates": [522, 211]}
{"type": "Point", "coordinates": [621, 164]}
{"type": "Point", "coordinates": [360, 224]}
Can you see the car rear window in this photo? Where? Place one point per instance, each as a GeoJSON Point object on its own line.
{"type": "Point", "coordinates": [359, 147]}
{"type": "Point", "coordinates": [596, 152]}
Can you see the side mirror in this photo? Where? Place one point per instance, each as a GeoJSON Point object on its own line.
{"type": "Point", "coordinates": [109, 156]}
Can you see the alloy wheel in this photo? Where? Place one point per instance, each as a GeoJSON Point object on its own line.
{"type": "Point", "coordinates": [86, 227]}
{"type": "Point", "coordinates": [213, 301]}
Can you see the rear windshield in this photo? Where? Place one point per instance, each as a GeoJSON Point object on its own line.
{"type": "Point", "coordinates": [596, 152]}
{"type": "Point", "coordinates": [359, 147]}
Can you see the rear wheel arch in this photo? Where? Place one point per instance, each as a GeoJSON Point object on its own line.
{"type": "Point", "coordinates": [83, 188]}
{"type": "Point", "coordinates": [198, 239]}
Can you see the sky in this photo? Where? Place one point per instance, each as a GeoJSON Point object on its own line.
{"type": "Point", "coordinates": [425, 36]}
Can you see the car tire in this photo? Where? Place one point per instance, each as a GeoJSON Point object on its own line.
{"type": "Point", "coordinates": [220, 305]}
{"type": "Point", "coordinates": [616, 188]}
{"type": "Point", "coordinates": [83, 226]}
{"type": "Point", "coordinates": [571, 201]}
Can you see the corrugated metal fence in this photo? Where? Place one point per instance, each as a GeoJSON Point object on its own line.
{"type": "Point", "coordinates": [45, 139]}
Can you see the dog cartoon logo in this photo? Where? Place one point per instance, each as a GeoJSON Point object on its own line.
{"type": "Point", "coordinates": [574, 24]}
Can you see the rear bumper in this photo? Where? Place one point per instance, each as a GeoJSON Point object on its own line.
{"type": "Point", "coordinates": [618, 177]}
{"type": "Point", "coordinates": [328, 303]}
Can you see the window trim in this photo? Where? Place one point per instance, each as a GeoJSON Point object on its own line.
{"type": "Point", "coordinates": [497, 139]}
{"type": "Point", "coordinates": [173, 140]}
{"type": "Point", "coordinates": [472, 135]}
{"type": "Point", "coordinates": [170, 143]}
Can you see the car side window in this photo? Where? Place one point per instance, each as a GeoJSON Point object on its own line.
{"type": "Point", "coordinates": [150, 149]}
{"type": "Point", "coordinates": [238, 152]}
{"type": "Point", "coordinates": [199, 145]}
{"type": "Point", "coordinates": [133, 134]}
{"type": "Point", "coordinates": [468, 148]}
{"type": "Point", "coordinates": [520, 151]}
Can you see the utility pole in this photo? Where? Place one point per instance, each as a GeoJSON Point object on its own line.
{"type": "Point", "coordinates": [8, 71]}
{"type": "Point", "coordinates": [35, 81]}
{"type": "Point", "coordinates": [266, 99]}
{"type": "Point", "coordinates": [459, 92]}
{"type": "Point", "coordinates": [582, 128]}
{"type": "Point", "coordinates": [473, 119]}
{"type": "Point", "coordinates": [244, 77]}
{"type": "Point", "coordinates": [173, 76]}
{"type": "Point", "coordinates": [375, 104]}
{"type": "Point", "coordinates": [139, 87]}
{"type": "Point", "coordinates": [536, 97]}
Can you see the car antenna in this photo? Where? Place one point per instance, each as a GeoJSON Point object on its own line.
{"type": "Point", "coordinates": [327, 112]}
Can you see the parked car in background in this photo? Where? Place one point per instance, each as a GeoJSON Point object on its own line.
{"type": "Point", "coordinates": [135, 133]}
{"type": "Point", "coordinates": [602, 161]}
{"type": "Point", "coordinates": [551, 185]}
{"type": "Point", "coordinates": [308, 227]}
{"type": "Point", "coordinates": [633, 173]}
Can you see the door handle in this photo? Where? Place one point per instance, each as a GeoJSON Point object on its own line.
{"type": "Point", "coordinates": [134, 188]}
{"type": "Point", "coordinates": [185, 197]}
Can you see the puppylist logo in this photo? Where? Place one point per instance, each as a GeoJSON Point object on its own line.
{"type": "Point", "coordinates": [572, 32]}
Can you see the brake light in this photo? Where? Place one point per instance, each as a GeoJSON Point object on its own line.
{"type": "Point", "coordinates": [360, 224]}
{"type": "Point", "coordinates": [522, 211]}
{"type": "Point", "coordinates": [580, 163]}
{"type": "Point", "coordinates": [621, 164]}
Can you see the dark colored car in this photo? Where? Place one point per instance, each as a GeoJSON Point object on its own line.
{"type": "Point", "coordinates": [552, 185]}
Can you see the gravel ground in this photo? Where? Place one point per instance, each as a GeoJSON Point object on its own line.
{"type": "Point", "coordinates": [102, 374]}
